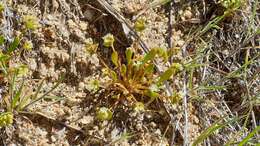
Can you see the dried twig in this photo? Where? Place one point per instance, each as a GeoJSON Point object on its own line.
{"type": "Point", "coordinates": [39, 115]}
{"type": "Point", "coordinates": [170, 14]}
{"type": "Point", "coordinates": [185, 105]}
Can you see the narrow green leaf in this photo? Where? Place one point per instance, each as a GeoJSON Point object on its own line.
{"type": "Point", "coordinates": [17, 96]}
{"type": "Point", "coordinates": [209, 131]}
{"type": "Point", "coordinates": [12, 85]}
{"type": "Point", "coordinates": [249, 136]}
{"type": "Point", "coordinates": [158, 2]}
{"type": "Point", "coordinates": [212, 88]}
{"type": "Point", "coordinates": [24, 101]}
{"type": "Point", "coordinates": [2, 40]}
{"type": "Point", "coordinates": [38, 90]}
{"type": "Point", "coordinates": [3, 57]}
{"type": "Point", "coordinates": [45, 94]}
{"type": "Point", "coordinates": [114, 58]}
{"type": "Point", "coordinates": [152, 94]}
{"type": "Point", "coordinates": [13, 45]}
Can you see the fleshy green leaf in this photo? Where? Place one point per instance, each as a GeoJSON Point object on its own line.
{"type": "Point", "coordinates": [166, 75]}
{"type": "Point", "coordinates": [31, 22]}
{"type": "Point", "coordinates": [149, 56]}
{"type": "Point", "coordinates": [1, 7]}
{"type": "Point", "coordinates": [113, 75]}
{"type": "Point", "coordinates": [162, 53]}
{"type": "Point", "coordinates": [153, 92]}
{"type": "Point", "coordinates": [149, 69]}
{"type": "Point", "coordinates": [123, 70]}
{"type": "Point", "coordinates": [129, 54]}
{"type": "Point", "coordinates": [114, 58]}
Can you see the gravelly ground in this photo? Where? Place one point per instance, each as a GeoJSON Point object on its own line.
{"type": "Point", "coordinates": [59, 48]}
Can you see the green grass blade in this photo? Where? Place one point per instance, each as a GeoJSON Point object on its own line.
{"type": "Point", "coordinates": [45, 94]}
{"type": "Point", "coordinates": [38, 90]}
{"type": "Point", "coordinates": [212, 88]}
{"type": "Point", "coordinates": [17, 96]}
{"type": "Point", "coordinates": [23, 102]}
{"type": "Point", "coordinates": [13, 45]}
{"type": "Point", "coordinates": [209, 131]}
{"type": "Point", "coordinates": [249, 136]}
{"type": "Point", "coordinates": [12, 85]}
{"type": "Point", "coordinates": [2, 40]}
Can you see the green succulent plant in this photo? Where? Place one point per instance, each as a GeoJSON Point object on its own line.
{"type": "Point", "coordinates": [136, 78]}
{"type": "Point", "coordinates": [104, 114]}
